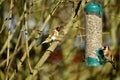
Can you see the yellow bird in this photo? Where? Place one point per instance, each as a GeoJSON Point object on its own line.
{"type": "Point", "coordinates": [53, 36]}
{"type": "Point", "coordinates": [107, 53]}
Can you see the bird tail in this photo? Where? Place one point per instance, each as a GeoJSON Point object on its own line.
{"type": "Point", "coordinates": [48, 41]}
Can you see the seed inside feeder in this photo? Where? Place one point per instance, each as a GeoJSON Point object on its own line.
{"type": "Point", "coordinates": [93, 34]}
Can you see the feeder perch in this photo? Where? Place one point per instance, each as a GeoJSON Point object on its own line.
{"type": "Point", "coordinates": [93, 14]}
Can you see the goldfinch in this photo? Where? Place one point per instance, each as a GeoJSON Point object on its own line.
{"type": "Point", "coordinates": [53, 36]}
{"type": "Point", "coordinates": [104, 56]}
{"type": "Point", "coordinates": [107, 53]}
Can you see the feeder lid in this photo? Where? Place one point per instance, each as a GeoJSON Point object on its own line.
{"type": "Point", "coordinates": [93, 7]}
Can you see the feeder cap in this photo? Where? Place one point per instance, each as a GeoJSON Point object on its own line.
{"type": "Point", "coordinates": [93, 7]}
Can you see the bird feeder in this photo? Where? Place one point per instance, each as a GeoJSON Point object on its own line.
{"type": "Point", "coordinates": [93, 14]}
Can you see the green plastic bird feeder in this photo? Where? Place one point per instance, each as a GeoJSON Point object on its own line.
{"type": "Point", "coordinates": [93, 33]}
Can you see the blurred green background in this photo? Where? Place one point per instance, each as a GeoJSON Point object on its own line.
{"type": "Point", "coordinates": [66, 62]}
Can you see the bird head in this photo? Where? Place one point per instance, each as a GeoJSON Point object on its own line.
{"type": "Point", "coordinates": [58, 28]}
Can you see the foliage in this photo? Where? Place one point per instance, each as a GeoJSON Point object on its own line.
{"type": "Point", "coordinates": [25, 24]}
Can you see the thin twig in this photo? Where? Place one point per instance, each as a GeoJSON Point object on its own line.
{"type": "Point", "coordinates": [9, 17]}
{"type": "Point", "coordinates": [26, 36]}
{"type": "Point", "coordinates": [19, 65]}
{"type": "Point", "coordinates": [8, 47]}
{"type": "Point", "coordinates": [9, 26]}
{"type": "Point", "coordinates": [49, 16]}
{"type": "Point", "coordinates": [15, 50]}
{"type": "Point", "coordinates": [11, 35]}
{"type": "Point", "coordinates": [3, 27]}
{"type": "Point", "coordinates": [11, 56]}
